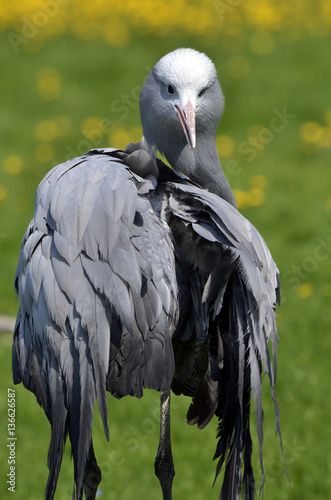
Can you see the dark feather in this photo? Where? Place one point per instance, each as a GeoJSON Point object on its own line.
{"type": "Point", "coordinates": [132, 276]}
{"type": "Point", "coordinates": [240, 293]}
{"type": "Point", "coordinates": [107, 304]}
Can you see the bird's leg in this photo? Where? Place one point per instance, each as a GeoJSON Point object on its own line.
{"type": "Point", "coordinates": [92, 475]}
{"type": "Point", "coordinates": [164, 466]}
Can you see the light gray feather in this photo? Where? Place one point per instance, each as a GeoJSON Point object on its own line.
{"type": "Point", "coordinates": [131, 276]}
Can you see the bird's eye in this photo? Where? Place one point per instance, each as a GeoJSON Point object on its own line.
{"type": "Point", "coordinates": [202, 92]}
{"type": "Point", "coordinates": [170, 89]}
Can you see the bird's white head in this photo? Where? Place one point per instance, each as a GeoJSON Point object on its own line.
{"type": "Point", "coordinates": [181, 104]}
{"type": "Point", "coordinates": [180, 100]}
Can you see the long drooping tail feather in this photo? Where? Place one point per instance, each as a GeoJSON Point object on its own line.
{"type": "Point", "coordinates": [240, 288]}
{"type": "Point", "coordinates": [234, 373]}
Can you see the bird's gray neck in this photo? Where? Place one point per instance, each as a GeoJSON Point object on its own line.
{"type": "Point", "coordinates": [202, 165]}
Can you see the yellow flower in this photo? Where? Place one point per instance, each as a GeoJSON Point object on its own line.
{"type": "Point", "coordinates": [49, 84]}
{"type": "Point", "coordinates": [45, 130]}
{"type": "Point", "coordinates": [119, 139]}
{"type": "Point", "coordinates": [305, 290]}
{"type": "Point", "coordinates": [44, 152]}
{"type": "Point", "coordinates": [311, 132]}
{"type": "Point", "coordinates": [90, 123]}
{"type": "Point", "coordinates": [264, 14]}
{"type": "Point", "coordinates": [136, 133]}
{"type": "Point", "coordinates": [118, 35]}
{"type": "Point", "coordinates": [225, 145]}
{"type": "Point", "coordinates": [13, 164]}
{"type": "Point", "coordinates": [242, 198]}
{"type": "Point", "coordinates": [258, 182]}
{"type": "Point", "coordinates": [256, 197]}
{"type": "Point", "coordinates": [30, 23]}
{"type": "Point", "coordinates": [93, 129]}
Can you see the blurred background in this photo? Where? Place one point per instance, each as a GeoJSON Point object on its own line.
{"type": "Point", "coordinates": [70, 77]}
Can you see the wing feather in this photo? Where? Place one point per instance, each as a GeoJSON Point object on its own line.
{"type": "Point", "coordinates": [240, 292]}
{"type": "Point", "coordinates": [97, 300]}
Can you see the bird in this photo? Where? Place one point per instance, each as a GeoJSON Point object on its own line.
{"type": "Point", "coordinates": [136, 273]}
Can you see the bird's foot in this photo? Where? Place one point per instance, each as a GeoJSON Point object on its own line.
{"type": "Point", "coordinates": [91, 480]}
{"type": "Point", "coordinates": [165, 472]}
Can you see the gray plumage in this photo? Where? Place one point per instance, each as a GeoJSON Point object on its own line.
{"type": "Point", "coordinates": [133, 276]}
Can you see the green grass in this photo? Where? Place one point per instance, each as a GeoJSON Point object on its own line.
{"type": "Point", "coordinates": [293, 221]}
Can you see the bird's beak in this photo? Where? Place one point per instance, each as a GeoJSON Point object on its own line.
{"type": "Point", "coordinates": [187, 119]}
